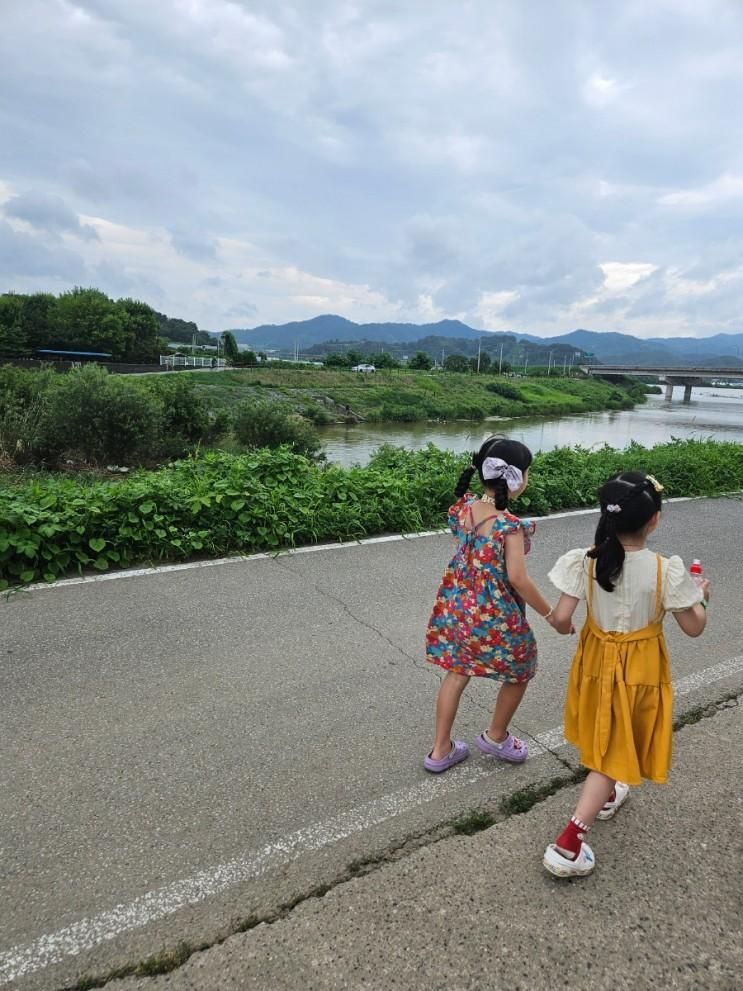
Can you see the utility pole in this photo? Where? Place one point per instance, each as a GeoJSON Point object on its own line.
{"type": "Point", "coordinates": [549, 366]}
{"type": "Point", "coordinates": [526, 360]}
{"type": "Point", "coordinates": [500, 360]}
{"type": "Point", "coordinates": [479, 348]}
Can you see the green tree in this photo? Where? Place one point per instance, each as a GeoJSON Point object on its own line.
{"type": "Point", "coordinates": [142, 331]}
{"type": "Point", "coordinates": [231, 350]}
{"type": "Point", "coordinates": [13, 340]}
{"type": "Point", "coordinates": [383, 360]}
{"type": "Point", "coordinates": [484, 363]}
{"type": "Point", "coordinates": [37, 318]}
{"type": "Point", "coordinates": [456, 363]}
{"type": "Point", "coordinates": [337, 360]}
{"type": "Point", "coordinates": [421, 361]}
{"type": "Point", "coordinates": [87, 320]}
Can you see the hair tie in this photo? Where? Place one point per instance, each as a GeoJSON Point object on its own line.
{"type": "Point", "coordinates": [494, 468]}
{"type": "Point", "coordinates": [613, 507]}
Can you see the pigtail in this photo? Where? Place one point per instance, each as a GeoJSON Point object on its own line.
{"type": "Point", "coordinates": [608, 552]}
{"type": "Point", "coordinates": [465, 478]}
{"type": "Point", "coordinates": [500, 492]}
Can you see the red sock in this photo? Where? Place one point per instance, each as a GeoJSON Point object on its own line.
{"type": "Point", "coordinates": [571, 838]}
{"type": "Point", "coordinates": [613, 796]}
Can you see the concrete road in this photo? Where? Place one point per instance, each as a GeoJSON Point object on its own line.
{"type": "Point", "coordinates": [185, 750]}
{"type": "Point", "coordinates": [661, 910]}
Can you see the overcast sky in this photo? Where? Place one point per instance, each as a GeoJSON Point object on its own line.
{"type": "Point", "coordinates": [535, 166]}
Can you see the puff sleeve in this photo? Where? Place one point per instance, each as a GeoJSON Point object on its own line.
{"type": "Point", "coordinates": [679, 590]}
{"type": "Point", "coordinates": [455, 516]}
{"type": "Point", "coordinates": [569, 573]}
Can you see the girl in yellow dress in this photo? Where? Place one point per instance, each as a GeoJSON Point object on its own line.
{"type": "Point", "coordinates": [618, 711]}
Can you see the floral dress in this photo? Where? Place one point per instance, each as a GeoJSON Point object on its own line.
{"type": "Point", "coordinates": [478, 625]}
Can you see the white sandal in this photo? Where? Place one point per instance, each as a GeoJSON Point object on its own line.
{"type": "Point", "coordinates": [621, 794]}
{"type": "Point", "coordinates": [561, 866]}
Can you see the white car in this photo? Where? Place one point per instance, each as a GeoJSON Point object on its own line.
{"type": "Point", "coordinates": [363, 368]}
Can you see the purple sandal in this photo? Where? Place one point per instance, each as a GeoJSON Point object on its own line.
{"type": "Point", "coordinates": [459, 752]}
{"type": "Point", "coordinates": [512, 749]}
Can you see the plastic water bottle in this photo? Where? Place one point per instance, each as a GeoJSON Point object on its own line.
{"type": "Point", "coordinates": [696, 571]}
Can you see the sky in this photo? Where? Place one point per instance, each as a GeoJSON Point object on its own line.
{"type": "Point", "coordinates": [534, 167]}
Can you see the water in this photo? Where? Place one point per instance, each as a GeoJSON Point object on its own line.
{"type": "Point", "coordinates": [713, 412]}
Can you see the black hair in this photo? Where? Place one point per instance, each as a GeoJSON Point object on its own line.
{"type": "Point", "coordinates": [513, 452]}
{"type": "Point", "coordinates": [628, 501]}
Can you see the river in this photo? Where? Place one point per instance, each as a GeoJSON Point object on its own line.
{"type": "Point", "coordinates": [713, 412]}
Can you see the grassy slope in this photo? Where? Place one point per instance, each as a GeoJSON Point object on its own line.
{"type": "Point", "coordinates": [406, 395]}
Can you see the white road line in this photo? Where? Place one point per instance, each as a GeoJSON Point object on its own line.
{"type": "Point", "coordinates": [51, 948]}
{"type": "Point", "coordinates": [309, 549]}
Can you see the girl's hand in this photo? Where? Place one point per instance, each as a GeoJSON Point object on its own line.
{"type": "Point", "coordinates": [563, 627]}
{"type": "Point", "coordinates": [704, 589]}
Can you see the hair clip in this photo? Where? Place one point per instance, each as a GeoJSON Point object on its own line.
{"type": "Point", "coordinates": [654, 482]}
{"type": "Point", "coordinates": [612, 507]}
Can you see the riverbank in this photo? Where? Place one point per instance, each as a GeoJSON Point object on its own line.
{"type": "Point", "coordinates": [708, 416]}
{"type": "Point", "coordinates": [405, 396]}
{"type": "Point", "coordinates": [219, 503]}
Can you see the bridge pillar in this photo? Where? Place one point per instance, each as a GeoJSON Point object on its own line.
{"type": "Point", "coordinates": [687, 392]}
{"type": "Point", "coordinates": [669, 391]}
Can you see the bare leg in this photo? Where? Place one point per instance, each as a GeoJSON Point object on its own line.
{"type": "Point", "coordinates": [508, 701]}
{"type": "Point", "coordinates": [596, 790]}
{"type": "Point", "coordinates": [447, 704]}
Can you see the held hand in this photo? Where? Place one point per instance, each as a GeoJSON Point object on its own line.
{"type": "Point", "coordinates": [704, 589]}
{"type": "Point", "coordinates": [559, 627]}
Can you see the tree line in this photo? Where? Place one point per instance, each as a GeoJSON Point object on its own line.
{"type": "Point", "coordinates": [421, 361]}
{"type": "Point", "coordinates": [89, 320]}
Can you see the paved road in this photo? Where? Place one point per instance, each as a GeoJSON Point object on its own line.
{"type": "Point", "coordinates": [663, 908]}
{"type": "Point", "coordinates": [189, 748]}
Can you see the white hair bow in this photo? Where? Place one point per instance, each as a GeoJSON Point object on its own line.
{"type": "Point", "coordinates": [497, 468]}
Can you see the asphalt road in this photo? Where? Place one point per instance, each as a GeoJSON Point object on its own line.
{"type": "Point", "coordinates": [185, 749]}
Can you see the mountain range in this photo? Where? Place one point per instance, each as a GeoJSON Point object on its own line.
{"type": "Point", "coordinates": [608, 347]}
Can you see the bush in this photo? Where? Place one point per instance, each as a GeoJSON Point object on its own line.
{"type": "Point", "coordinates": [268, 499]}
{"type": "Point", "coordinates": [21, 413]}
{"type": "Point", "coordinates": [272, 425]}
{"type": "Point", "coordinates": [504, 389]}
{"type": "Point", "coordinates": [100, 418]}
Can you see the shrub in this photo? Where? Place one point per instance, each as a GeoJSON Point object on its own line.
{"type": "Point", "coordinates": [504, 389]}
{"type": "Point", "coordinates": [263, 500]}
{"type": "Point", "coordinates": [99, 418]}
{"type": "Point", "coordinates": [259, 424]}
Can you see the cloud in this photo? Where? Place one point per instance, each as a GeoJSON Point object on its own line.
{"type": "Point", "coordinates": [720, 191]}
{"type": "Point", "coordinates": [49, 213]}
{"type": "Point", "coordinates": [405, 162]}
{"type": "Point", "coordinates": [622, 275]}
{"type": "Point", "coordinates": [25, 258]}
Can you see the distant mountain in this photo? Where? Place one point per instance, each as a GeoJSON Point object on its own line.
{"type": "Point", "coordinates": [624, 349]}
{"type": "Point", "coordinates": [609, 348]}
{"type": "Point", "coordinates": [304, 333]}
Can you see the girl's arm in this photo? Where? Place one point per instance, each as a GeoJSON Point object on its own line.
{"type": "Point", "coordinates": [518, 576]}
{"type": "Point", "coordinates": [562, 615]}
{"type": "Point", "coordinates": [693, 621]}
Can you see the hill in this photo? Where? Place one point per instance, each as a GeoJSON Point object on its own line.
{"type": "Point", "coordinates": [330, 332]}
{"type": "Point", "coordinates": [305, 333]}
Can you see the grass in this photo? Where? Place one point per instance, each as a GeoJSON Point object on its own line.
{"type": "Point", "coordinates": [403, 395]}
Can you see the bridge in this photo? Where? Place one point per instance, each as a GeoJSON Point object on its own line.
{"type": "Point", "coordinates": [687, 377]}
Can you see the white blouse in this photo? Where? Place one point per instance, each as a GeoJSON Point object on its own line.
{"type": "Point", "coordinates": [631, 605]}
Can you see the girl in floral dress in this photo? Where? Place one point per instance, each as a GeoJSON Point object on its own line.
{"type": "Point", "coordinates": [478, 626]}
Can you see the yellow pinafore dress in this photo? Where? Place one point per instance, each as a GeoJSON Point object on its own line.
{"type": "Point", "coordinates": [619, 706]}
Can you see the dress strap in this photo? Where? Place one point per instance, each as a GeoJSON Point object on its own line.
{"type": "Point", "coordinates": [589, 587]}
{"type": "Point", "coordinates": [658, 587]}
{"type": "Point", "coordinates": [487, 519]}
